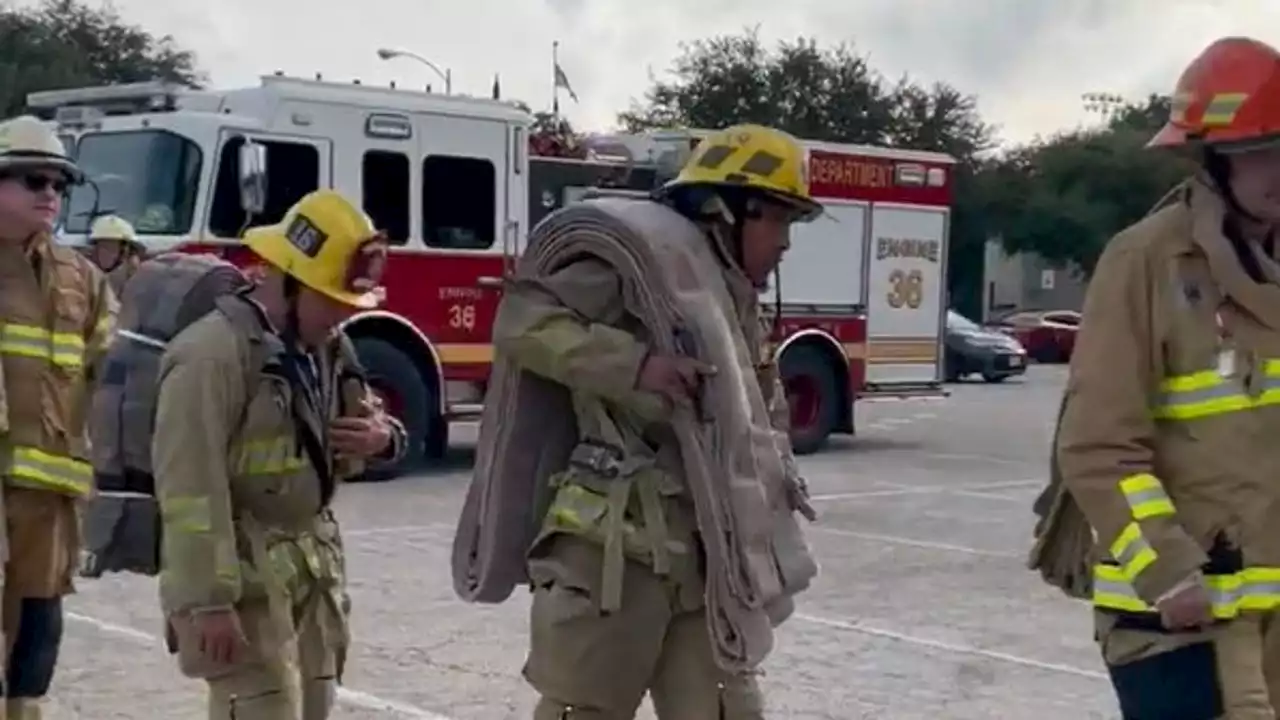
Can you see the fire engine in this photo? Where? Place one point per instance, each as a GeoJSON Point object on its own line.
{"type": "Point", "coordinates": [860, 296]}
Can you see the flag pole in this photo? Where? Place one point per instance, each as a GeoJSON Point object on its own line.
{"type": "Point", "coordinates": [555, 79]}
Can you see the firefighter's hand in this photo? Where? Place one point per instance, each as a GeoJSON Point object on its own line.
{"type": "Point", "coordinates": [1188, 608]}
{"type": "Point", "coordinates": [675, 377]}
{"type": "Point", "coordinates": [360, 437]}
{"type": "Point", "coordinates": [220, 636]}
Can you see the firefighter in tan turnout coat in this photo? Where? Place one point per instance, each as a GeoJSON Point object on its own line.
{"type": "Point", "coordinates": [593, 654]}
{"type": "Point", "coordinates": [1169, 440]}
{"type": "Point", "coordinates": [252, 579]}
{"type": "Point", "coordinates": [57, 315]}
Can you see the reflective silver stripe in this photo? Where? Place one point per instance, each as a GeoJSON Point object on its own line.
{"type": "Point", "coordinates": [1146, 496]}
{"type": "Point", "coordinates": [31, 467]}
{"type": "Point", "coordinates": [1206, 393]}
{"type": "Point", "coordinates": [1256, 588]}
{"type": "Point", "coordinates": [1191, 397]}
{"type": "Point", "coordinates": [65, 349]}
{"type": "Point", "coordinates": [1130, 553]}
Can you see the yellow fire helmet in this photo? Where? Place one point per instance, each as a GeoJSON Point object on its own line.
{"type": "Point", "coordinates": [113, 227]}
{"type": "Point", "coordinates": [329, 245]}
{"type": "Point", "coordinates": [28, 142]}
{"type": "Point", "coordinates": [756, 157]}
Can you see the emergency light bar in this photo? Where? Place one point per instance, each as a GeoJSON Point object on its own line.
{"type": "Point", "coordinates": [123, 99]}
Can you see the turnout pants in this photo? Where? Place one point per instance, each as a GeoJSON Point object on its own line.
{"type": "Point", "coordinates": [42, 537]}
{"type": "Point", "coordinates": [587, 665]}
{"type": "Point", "coordinates": [293, 680]}
{"type": "Point", "coordinates": [1230, 671]}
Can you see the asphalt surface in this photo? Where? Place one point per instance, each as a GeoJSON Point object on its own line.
{"type": "Point", "coordinates": [923, 608]}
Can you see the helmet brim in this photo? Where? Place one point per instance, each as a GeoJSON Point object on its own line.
{"type": "Point", "coordinates": [271, 244]}
{"type": "Point", "coordinates": [1169, 136]}
{"type": "Point", "coordinates": [807, 209]}
{"type": "Point", "coordinates": [36, 162]}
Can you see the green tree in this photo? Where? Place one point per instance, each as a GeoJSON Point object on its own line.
{"type": "Point", "coordinates": [826, 94]}
{"type": "Point", "coordinates": [1065, 197]}
{"type": "Point", "coordinates": [66, 43]}
{"type": "Point", "coordinates": [832, 95]}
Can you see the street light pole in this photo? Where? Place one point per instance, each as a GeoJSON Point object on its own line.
{"type": "Point", "coordinates": [446, 74]}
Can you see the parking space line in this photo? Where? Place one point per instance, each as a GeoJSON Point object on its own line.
{"type": "Point", "coordinates": [910, 542]}
{"type": "Point", "coordinates": [355, 698]}
{"type": "Point", "coordinates": [929, 489]}
{"type": "Point", "coordinates": [991, 496]}
{"type": "Point", "coordinates": [398, 530]}
{"type": "Point", "coordinates": [859, 494]}
{"type": "Point", "coordinates": [817, 527]}
{"type": "Point", "coordinates": [975, 457]}
{"type": "Point", "coordinates": [951, 647]}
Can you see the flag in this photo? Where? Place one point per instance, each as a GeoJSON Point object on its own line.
{"type": "Point", "coordinates": [562, 81]}
{"type": "Point", "coordinates": [497, 89]}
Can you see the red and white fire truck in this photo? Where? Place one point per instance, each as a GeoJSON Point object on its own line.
{"type": "Point", "coordinates": [861, 294]}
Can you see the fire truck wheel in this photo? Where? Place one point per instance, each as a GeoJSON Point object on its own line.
{"type": "Point", "coordinates": [812, 391]}
{"type": "Point", "coordinates": [405, 394]}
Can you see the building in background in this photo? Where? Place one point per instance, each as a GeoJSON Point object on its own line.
{"type": "Point", "coordinates": [1026, 281]}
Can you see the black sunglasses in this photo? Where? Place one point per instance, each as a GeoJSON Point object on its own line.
{"type": "Point", "coordinates": [36, 182]}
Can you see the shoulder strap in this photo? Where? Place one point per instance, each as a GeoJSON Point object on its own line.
{"type": "Point", "coordinates": [312, 445]}
{"type": "Point", "coordinates": [249, 334]}
{"type": "Point", "coordinates": [349, 368]}
{"type": "Point", "coordinates": [253, 333]}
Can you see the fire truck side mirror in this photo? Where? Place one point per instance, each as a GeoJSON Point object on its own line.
{"type": "Point", "coordinates": [253, 177]}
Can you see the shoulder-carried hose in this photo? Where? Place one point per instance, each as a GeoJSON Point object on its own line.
{"type": "Point", "coordinates": [672, 283]}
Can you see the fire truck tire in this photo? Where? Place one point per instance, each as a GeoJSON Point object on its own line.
{"type": "Point", "coordinates": [813, 391]}
{"type": "Point", "coordinates": [395, 376]}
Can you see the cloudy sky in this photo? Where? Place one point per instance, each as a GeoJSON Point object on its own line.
{"type": "Point", "coordinates": [1027, 60]}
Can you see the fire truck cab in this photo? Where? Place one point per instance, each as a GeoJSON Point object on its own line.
{"type": "Point", "coordinates": [445, 176]}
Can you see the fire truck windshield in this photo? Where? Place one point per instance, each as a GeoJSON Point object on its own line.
{"type": "Point", "coordinates": [148, 177]}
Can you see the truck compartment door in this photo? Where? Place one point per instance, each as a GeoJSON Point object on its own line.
{"type": "Point", "coordinates": [907, 293]}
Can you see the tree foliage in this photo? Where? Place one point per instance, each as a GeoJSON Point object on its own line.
{"type": "Point", "coordinates": [826, 94]}
{"type": "Point", "coordinates": [1062, 197]}
{"type": "Point", "coordinates": [1065, 197]}
{"type": "Point", "coordinates": [66, 43]}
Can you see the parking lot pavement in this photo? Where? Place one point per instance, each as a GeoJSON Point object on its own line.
{"type": "Point", "coordinates": [923, 608]}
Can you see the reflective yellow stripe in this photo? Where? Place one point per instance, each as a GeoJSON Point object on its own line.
{"type": "Point", "coordinates": [38, 469]}
{"type": "Point", "coordinates": [106, 324]}
{"type": "Point", "coordinates": [1222, 109]}
{"type": "Point", "coordinates": [1132, 551]}
{"type": "Point", "coordinates": [1147, 499]}
{"type": "Point", "coordinates": [189, 532]}
{"type": "Point", "coordinates": [66, 349]}
{"type": "Point", "coordinates": [1256, 589]}
{"type": "Point", "coordinates": [1146, 496]}
{"type": "Point", "coordinates": [1207, 393]}
{"type": "Point", "coordinates": [187, 514]}
{"type": "Point", "coordinates": [103, 331]}
{"type": "Point", "coordinates": [272, 456]}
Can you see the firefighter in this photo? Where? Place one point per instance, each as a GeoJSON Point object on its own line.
{"type": "Point", "coordinates": [1167, 438]}
{"type": "Point", "coordinates": [571, 326]}
{"type": "Point", "coordinates": [252, 584]}
{"type": "Point", "coordinates": [115, 249]}
{"type": "Point", "coordinates": [57, 313]}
